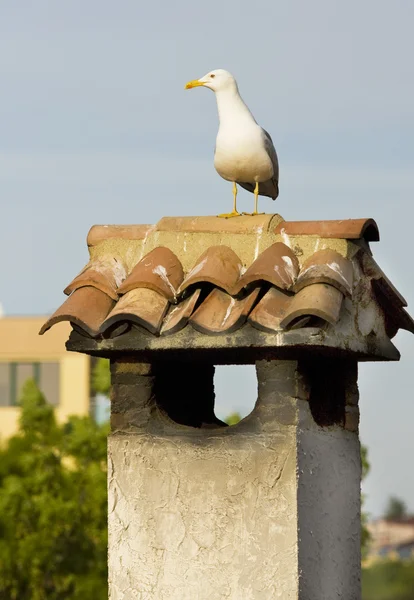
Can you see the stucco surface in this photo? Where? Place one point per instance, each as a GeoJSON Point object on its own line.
{"type": "Point", "coordinates": [266, 509]}
{"type": "Point", "coordinates": [329, 471]}
{"type": "Point", "coordinates": [203, 521]}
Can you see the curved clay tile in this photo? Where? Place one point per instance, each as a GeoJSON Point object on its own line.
{"type": "Point", "coordinates": [218, 265]}
{"type": "Point", "coordinates": [105, 274]}
{"type": "Point", "coordinates": [159, 270]}
{"type": "Point", "coordinates": [177, 316]}
{"type": "Point", "coordinates": [277, 264]}
{"type": "Point", "coordinates": [396, 317]}
{"type": "Point", "coordinates": [141, 306]}
{"type": "Point", "coordinates": [348, 229]}
{"type": "Point", "coordinates": [270, 311]}
{"type": "Point", "coordinates": [372, 269]}
{"type": "Point", "coordinates": [316, 300]}
{"type": "Point", "coordinates": [86, 307]}
{"type": "Point", "coordinates": [327, 266]}
{"type": "Point", "coordinates": [221, 313]}
{"type": "Point", "coordinates": [100, 233]}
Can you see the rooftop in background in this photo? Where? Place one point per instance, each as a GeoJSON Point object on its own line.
{"type": "Point", "coordinates": [211, 283]}
{"type": "Point", "coordinates": [391, 537]}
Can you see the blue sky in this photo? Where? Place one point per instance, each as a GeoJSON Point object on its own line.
{"type": "Point", "coordinates": [96, 128]}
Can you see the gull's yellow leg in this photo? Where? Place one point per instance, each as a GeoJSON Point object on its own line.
{"type": "Point", "coordinates": [256, 198]}
{"type": "Point", "coordinates": [234, 212]}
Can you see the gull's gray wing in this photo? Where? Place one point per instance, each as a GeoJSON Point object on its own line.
{"type": "Point", "coordinates": [273, 184]}
{"type": "Point", "coordinates": [271, 187]}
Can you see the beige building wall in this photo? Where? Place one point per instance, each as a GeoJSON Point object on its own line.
{"type": "Point", "coordinates": [390, 533]}
{"type": "Point", "coordinates": [20, 343]}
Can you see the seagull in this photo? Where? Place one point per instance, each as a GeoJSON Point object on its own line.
{"type": "Point", "coordinates": [244, 152]}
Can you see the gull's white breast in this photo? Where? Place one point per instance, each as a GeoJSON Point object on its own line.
{"type": "Point", "coordinates": [241, 153]}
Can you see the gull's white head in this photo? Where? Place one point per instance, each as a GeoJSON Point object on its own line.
{"type": "Point", "coordinates": [218, 81]}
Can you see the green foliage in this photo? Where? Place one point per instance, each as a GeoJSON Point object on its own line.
{"type": "Point", "coordinates": [364, 462]}
{"type": "Point", "coordinates": [233, 419]}
{"type": "Point", "coordinates": [365, 535]}
{"type": "Point", "coordinates": [396, 508]}
{"type": "Point", "coordinates": [388, 580]}
{"type": "Point", "coordinates": [53, 532]}
{"type": "Point", "coordinates": [101, 377]}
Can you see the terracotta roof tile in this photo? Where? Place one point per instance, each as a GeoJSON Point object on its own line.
{"type": "Point", "coordinates": [99, 233]}
{"type": "Point", "coordinates": [86, 307]}
{"type": "Point", "coordinates": [178, 316]}
{"type": "Point", "coordinates": [396, 316]}
{"type": "Point", "coordinates": [349, 229]}
{"type": "Point", "coordinates": [160, 270]}
{"type": "Point", "coordinates": [141, 306]}
{"type": "Point", "coordinates": [104, 274]}
{"type": "Point", "coordinates": [221, 313]}
{"type": "Point", "coordinates": [113, 293]}
{"type": "Point", "coordinates": [269, 312]}
{"type": "Point", "coordinates": [327, 266]}
{"type": "Point", "coordinates": [277, 264]}
{"type": "Point", "coordinates": [219, 266]}
{"type": "Point", "coordinates": [372, 269]}
{"type": "Point", "coordinates": [316, 300]}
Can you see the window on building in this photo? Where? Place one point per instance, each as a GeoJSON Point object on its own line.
{"type": "Point", "coordinates": [14, 375]}
{"type": "Point", "coordinates": [21, 372]}
{"type": "Point", "coordinates": [4, 384]}
{"type": "Point", "coordinates": [48, 382]}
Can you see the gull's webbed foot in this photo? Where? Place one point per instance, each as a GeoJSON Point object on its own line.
{"type": "Point", "coordinates": [234, 213]}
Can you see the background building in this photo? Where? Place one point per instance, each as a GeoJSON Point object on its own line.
{"type": "Point", "coordinates": [64, 377]}
{"type": "Point", "coordinates": [392, 538]}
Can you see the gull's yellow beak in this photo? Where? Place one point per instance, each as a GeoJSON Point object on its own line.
{"type": "Point", "coordinates": [194, 83]}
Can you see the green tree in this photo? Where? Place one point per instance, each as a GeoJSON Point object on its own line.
{"type": "Point", "coordinates": [389, 580]}
{"type": "Point", "coordinates": [365, 535]}
{"type": "Point", "coordinates": [101, 376]}
{"type": "Point", "coordinates": [233, 419]}
{"type": "Point", "coordinates": [396, 509]}
{"type": "Point", "coordinates": [53, 532]}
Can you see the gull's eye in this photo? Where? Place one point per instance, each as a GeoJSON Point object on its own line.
{"type": "Point", "coordinates": [212, 75]}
